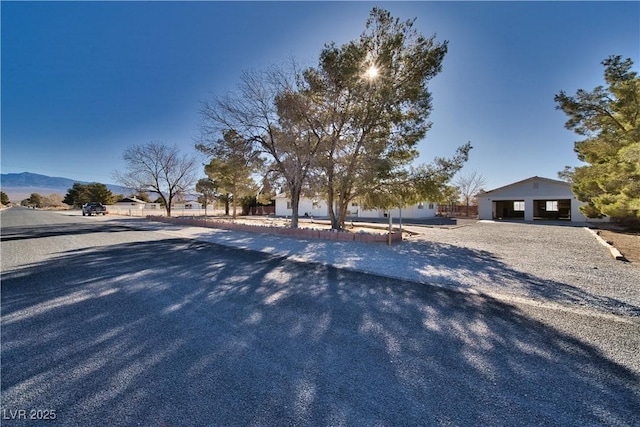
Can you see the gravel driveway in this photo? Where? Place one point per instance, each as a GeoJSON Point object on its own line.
{"type": "Point", "coordinates": [546, 263]}
{"type": "Point", "coordinates": [560, 263]}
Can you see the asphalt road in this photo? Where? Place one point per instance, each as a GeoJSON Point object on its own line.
{"type": "Point", "coordinates": [106, 323]}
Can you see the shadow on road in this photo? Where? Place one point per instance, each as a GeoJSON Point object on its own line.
{"type": "Point", "coordinates": [448, 265]}
{"type": "Point", "coordinates": [177, 332]}
{"type": "Point", "coordinates": [62, 229]}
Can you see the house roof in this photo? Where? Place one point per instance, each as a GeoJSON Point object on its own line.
{"type": "Point", "coordinates": [533, 178]}
{"type": "Point", "coordinates": [130, 200]}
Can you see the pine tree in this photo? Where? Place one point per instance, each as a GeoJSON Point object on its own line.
{"type": "Point", "coordinates": [609, 119]}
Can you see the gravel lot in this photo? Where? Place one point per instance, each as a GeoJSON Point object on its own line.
{"type": "Point", "coordinates": [558, 263]}
{"type": "Point", "coordinates": [545, 263]}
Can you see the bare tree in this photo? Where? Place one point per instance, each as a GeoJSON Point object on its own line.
{"type": "Point", "coordinates": [270, 111]}
{"type": "Point", "coordinates": [159, 168]}
{"type": "Point", "coordinates": [470, 185]}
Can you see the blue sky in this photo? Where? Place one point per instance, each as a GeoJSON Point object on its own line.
{"type": "Point", "coordinates": [81, 81]}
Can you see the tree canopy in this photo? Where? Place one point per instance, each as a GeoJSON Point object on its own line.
{"type": "Point", "coordinates": [371, 107]}
{"type": "Point", "coordinates": [609, 119]}
{"type": "Point", "coordinates": [347, 128]}
{"type": "Point", "coordinates": [270, 110]}
{"type": "Point", "coordinates": [234, 160]}
{"type": "Point", "coordinates": [208, 190]}
{"type": "Point", "coordinates": [160, 168]}
{"type": "Point", "coordinates": [79, 194]}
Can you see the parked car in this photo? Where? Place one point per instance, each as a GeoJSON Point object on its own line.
{"type": "Point", "coordinates": [93, 208]}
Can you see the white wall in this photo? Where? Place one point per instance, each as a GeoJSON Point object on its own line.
{"type": "Point", "coordinates": [322, 210]}
{"type": "Point", "coordinates": [157, 210]}
{"type": "Point", "coordinates": [530, 190]}
{"type": "Point", "coordinates": [306, 206]}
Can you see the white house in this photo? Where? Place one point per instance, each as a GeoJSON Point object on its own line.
{"type": "Point", "coordinates": [534, 198]}
{"type": "Point", "coordinates": [318, 207]}
{"type": "Point", "coordinates": [308, 206]}
{"type": "Point", "coordinates": [131, 203]}
{"type": "Point", "coordinates": [190, 204]}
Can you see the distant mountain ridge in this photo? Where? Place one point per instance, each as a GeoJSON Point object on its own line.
{"type": "Point", "coordinates": [28, 179]}
{"type": "Point", "coordinates": [19, 186]}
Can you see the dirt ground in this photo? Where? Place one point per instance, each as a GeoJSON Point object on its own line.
{"type": "Point", "coordinates": [627, 242]}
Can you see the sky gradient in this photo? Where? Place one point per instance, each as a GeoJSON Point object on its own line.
{"type": "Point", "coordinates": [81, 81]}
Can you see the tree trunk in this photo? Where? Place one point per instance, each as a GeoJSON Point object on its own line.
{"type": "Point", "coordinates": [235, 201]}
{"type": "Point", "coordinates": [167, 204]}
{"type": "Point", "coordinates": [343, 205]}
{"type": "Point", "coordinates": [295, 208]}
{"type": "Point", "coordinates": [334, 211]}
{"type": "Point", "coordinates": [335, 223]}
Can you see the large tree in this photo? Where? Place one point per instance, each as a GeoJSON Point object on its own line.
{"type": "Point", "coordinates": [270, 111]}
{"type": "Point", "coordinates": [35, 200]}
{"type": "Point", "coordinates": [160, 168]}
{"type": "Point", "coordinates": [79, 194]}
{"type": "Point", "coordinates": [371, 105]}
{"type": "Point", "coordinates": [209, 191]}
{"type": "Point", "coordinates": [349, 123]}
{"type": "Point", "coordinates": [234, 160]}
{"type": "Point", "coordinates": [609, 119]}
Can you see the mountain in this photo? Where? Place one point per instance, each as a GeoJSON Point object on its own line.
{"type": "Point", "coordinates": [19, 186]}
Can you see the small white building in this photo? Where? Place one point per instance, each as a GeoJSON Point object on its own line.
{"type": "Point", "coordinates": [534, 198]}
{"type": "Point", "coordinates": [318, 207]}
{"type": "Point", "coordinates": [315, 207]}
{"type": "Point", "coordinates": [131, 203]}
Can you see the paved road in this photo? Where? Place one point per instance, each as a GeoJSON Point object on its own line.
{"type": "Point", "coordinates": [108, 323]}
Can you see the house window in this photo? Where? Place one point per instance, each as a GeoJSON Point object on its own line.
{"type": "Point", "coordinates": [289, 206]}
{"type": "Point", "coordinates": [354, 204]}
{"type": "Point", "coordinates": [552, 205]}
{"type": "Point", "coordinates": [420, 205]}
{"type": "Point", "coordinates": [430, 205]}
{"type": "Point", "coordinates": [315, 204]}
{"type": "Point", "coordinates": [518, 205]}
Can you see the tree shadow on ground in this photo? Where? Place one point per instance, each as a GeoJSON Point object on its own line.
{"type": "Point", "coordinates": [63, 229]}
{"type": "Point", "coordinates": [178, 332]}
{"type": "Point", "coordinates": [446, 265]}
{"type": "Point", "coordinates": [470, 268]}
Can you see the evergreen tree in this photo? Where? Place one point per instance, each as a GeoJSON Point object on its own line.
{"type": "Point", "coordinates": [609, 119]}
{"type": "Point", "coordinates": [371, 107]}
{"type": "Point", "coordinates": [35, 200]}
{"type": "Point", "coordinates": [234, 160]}
{"type": "Point", "coordinates": [208, 189]}
{"type": "Point", "coordinates": [79, 194]}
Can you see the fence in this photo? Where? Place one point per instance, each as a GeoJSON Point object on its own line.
{"type": "Point", "coordinates": [183, 211]}
{"type": "Point", "coordinates": [301, 233]}
{"type": "Point", "coordinates": [457, 210]}
{"type": "Point", "coordinates": [135, 211]}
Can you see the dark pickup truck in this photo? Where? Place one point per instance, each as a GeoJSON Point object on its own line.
{"type": "Point", "coordinates": [93, 209]}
